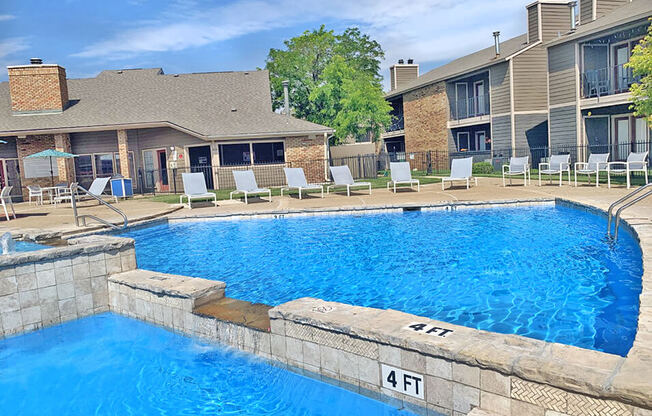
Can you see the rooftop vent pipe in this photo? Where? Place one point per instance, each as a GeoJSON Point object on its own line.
{"type": "Point", "coordinates": [497, 42]}
{"type": "Point", "coordinates": [286, 96]}
{"type": "Point", "coordinates": [400, 61]}
{"type": "Point", "coordinates": [36, 61]}
{"type": "Point", "coordinates": [410, 61]}
{"type": "Point", "coordinates": [571, 6]}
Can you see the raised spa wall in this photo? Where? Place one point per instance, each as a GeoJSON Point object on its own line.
{"type": "Point", "coordinates": [460, 368]}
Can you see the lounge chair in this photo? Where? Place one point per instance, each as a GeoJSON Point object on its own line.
{"type": "Point", "coordinates": [5, 198]}
{"type": "Point", "coordinates": [402, 175]}
{"type": "Point", "coordinates": [194, 187]}
{"type": "Point", "coordinates": [636, 162]}
{"type": "Point", "coordinates": [342, 177]}
{"type": "Point", "coordinates": [596, 163]}
{"type": "Point", "coordinates": [35, 191]}
{"type": "Point", "coordinates": [518, 166]}
{"type": "Point", "coordinates": [296, 178]}
{"type": "Point", "coordinates": [557, 165]}
{"type": "Point", "coordinates": [461, 170]}
{"type": "Point", "coordinates": [245, 182]}
{"type": "Point", "coordinates": [96, 189]}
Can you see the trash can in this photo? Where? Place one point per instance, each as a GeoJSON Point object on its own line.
{"type": "Point", "coordinates": [122, 188]}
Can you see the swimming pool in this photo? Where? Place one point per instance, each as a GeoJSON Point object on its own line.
{"type": "Point", "coordinates": [24, 246]}
{"type": "Point", "coordinates": [542, 272]}
{"type": "Point", "coordinates": [111, 365]}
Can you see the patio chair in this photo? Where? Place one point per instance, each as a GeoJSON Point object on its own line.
{"type": "Point", "coordinates": [596, 163]}
{"type": "Point", "coordinates": [66, 193]}
{"type": "Point", "coordinates": [557, 165]}
{"type": "Point", "coordinates": [245, 182]}
{"type": "Point", "coordinates": [342, 177]}
{"type": "Point", "coordinates": [96, 189]}
{"type": "Point", "coordinates": [636, 162]}
{"type": "Point", "coordinates": [296, 178]}
{"type": "Point", "coordinates": [517, 166]}
{"type": "Point", "coordinates": [461, 170]}
{"type": "Point", "coordinates": [5, 198]}
{"type": "Point", "coordinates": [35, 191]}
{"type": "Point", "coordinates": [194, 187]}
{"type": "Point", "coordinates": [401, 174]}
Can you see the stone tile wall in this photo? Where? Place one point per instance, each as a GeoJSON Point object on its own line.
{"type": "Point", "coordinates": [50, 286]}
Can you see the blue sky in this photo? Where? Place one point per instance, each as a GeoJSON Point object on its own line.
{"type": "Point", "coordinates": [87, 36]}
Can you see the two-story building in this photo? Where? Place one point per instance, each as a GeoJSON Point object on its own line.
{"type": "Point", "coordinates": [132, 122]}
{"type": "Point", "coordinates": [589, 83]}
{"type": "Point", "coordinates": [557, 85]}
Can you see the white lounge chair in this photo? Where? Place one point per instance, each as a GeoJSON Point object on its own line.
{"type": "Point", "coordinates": [342, 177]}
{"type": "Point", "coordinates": [461, 170]}
{"type": "Point", "coordinates": [636, 162]}
{"type": "Point", "coordinates": [5, 198]}
{"type": "Point", "coordinates": [194, 187]}
{"type": "Point", "coordinates": [596, 163]}
{"type": "Point", "coordinates": [96, 189]}
{"type": "Point", "coordinates": [557, 165]}
{"type": "Point", "coordinates": [518, 166]}
{"type": "Point", "coordinates": [296, 178]}
{"type": "Point", "coordinates": [245, 182]}
{"type": "Point", "coordinates": [35, 191]}
{"type": "Point", "coordinates": [402, 175]}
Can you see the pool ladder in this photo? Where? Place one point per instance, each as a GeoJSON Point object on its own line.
{"type": "Point", "coordinates": [627, 202]}
{"type": "Point", "coordinates": [73, 200]}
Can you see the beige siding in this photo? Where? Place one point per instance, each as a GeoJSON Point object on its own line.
{"type": "Point", "coordinates": [533, 23]}
{"type": "Point", "coordinates": [500, 101]}
{"type": "Point", "coordinates": [501, 130]}
{"type": "Point", "coordinates": [404, 75]}
{"type": "Point", "coordinates": [530, 131]}
{"type": "Point", "coordinates": [561, 67]}
{"type": "Point", "coordinates": [94, 142]}
{"type": "Point", "coordinates": [607, 6]}
{"type": "Point", "coordinates": [555, 20]}
{"type": "Point", "coordinates": [586, 11]}
{"type": "Point", "coordinates": [161, 137]}
{"type": "Point", "coordinates": [530, 80]}
{"type": "Point", "coordinates": [563, 125]}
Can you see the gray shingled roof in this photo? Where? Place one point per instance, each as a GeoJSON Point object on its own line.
{"type": "Point", "coordinates": [477, 60]}
{"type": "Point", "coordinates": [201, 104]}
{"type": "Point", "coordinates": [636, 10]}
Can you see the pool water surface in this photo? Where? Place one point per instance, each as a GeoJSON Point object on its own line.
{"type": "Point", "coordinates": [111, 365]}
{"type": "Point", "coordinates": [542, 272]}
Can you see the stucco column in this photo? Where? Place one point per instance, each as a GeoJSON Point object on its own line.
{"type": "Point", "coordinates": [66, 167]}
{"type": "Point", "coordinates": [123, 151]}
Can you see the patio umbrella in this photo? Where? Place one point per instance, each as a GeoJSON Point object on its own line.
{"type": "Point", "coordinates": [51, 153]}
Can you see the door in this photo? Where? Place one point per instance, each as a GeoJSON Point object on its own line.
{"type": "Point", "coordinates": [149, 169]}
{"type": "Point", "coordinates": [479, 101]}
{"type": "Point", "coordinates": [162, 158]}
{"type": "Point", "coordinates": [621, 78]}
{"type": "Point", "coordinates": [200, 161]}
{"type": "Point", "coordinates": [481, 140]}
{"type": "Point", "coordinates": [463, 141]}
{"type": "Point", "coordinates": [461, 100]}
{"type": "Point", "coordinates": [622, 139]}
{"type": "Point", "coordinates": [641, 130]}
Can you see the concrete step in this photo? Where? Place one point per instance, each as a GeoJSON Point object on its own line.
{"type": "Point", "coordinates": [253, 315]}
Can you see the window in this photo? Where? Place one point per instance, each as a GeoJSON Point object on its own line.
{"type": "Point", "coordinates": [268, 153]}
{"type": "Point", "coordinates": [235, 154]}
{"type": "Point", "coordinates": [463, 141]}
{"type": "Point", "coordinates": [104, 165]}
{"type": "Point", "coordinates": [84, 166]}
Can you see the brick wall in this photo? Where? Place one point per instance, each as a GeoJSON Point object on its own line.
{"type": "Point", "coordinates": [307, 152]}
{"type": "Point", "coordinates": [426, 114]}
{"type": "Point", "coordinates": [66, 167]}
{"type": "Point", "coordinates": [123, 145]}
{"type": "Point", "coordinates": [38, 88]}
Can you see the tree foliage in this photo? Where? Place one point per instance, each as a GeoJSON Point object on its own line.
{"type": "Point", "coordinates": [334, 81]}
{"type": "Point", "coordinates": [641, 66]}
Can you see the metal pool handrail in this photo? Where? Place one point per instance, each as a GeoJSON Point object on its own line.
{"type": "Point", "coordinates": [626, 205]}
{"type": "Point", "coordinates": [73, 200]}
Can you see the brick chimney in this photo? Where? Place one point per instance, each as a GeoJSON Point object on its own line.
{"type": "Point", "coordinates": [401, 73]}
{"type": "Point", "coordinates": [38, 87]}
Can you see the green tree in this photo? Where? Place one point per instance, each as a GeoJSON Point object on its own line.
{"type": "Point", "coordinates": [330, 73]}
{"type": "Point", "coordinates": [641, 66]}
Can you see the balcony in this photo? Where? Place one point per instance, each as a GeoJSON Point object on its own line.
{"type": "Point", "coordinates": [397, 124]}
{"type": "Point", "coordinates": [607, 81]}
{"type": "Point", "coordinates": [471, 107]}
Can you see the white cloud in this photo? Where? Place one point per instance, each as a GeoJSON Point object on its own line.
{"type": "Point", "coordinates": [10, 46]}
{"type": "Point", "coordinates": [4, 17]}
{"type": "Point", "coordinates": [426, 30]}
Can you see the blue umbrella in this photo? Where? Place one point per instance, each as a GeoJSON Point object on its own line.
{"type": "Point", "coordinates": [51, 153]}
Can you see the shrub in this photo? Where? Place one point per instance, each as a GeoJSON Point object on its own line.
{"type": "Point", "coordinates": [483, 168]}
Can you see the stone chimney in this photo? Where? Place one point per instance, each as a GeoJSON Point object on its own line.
{"type": "Point", "coordinates": [38, 87]}
{"type": "Point", "coordinates": [401, 74]}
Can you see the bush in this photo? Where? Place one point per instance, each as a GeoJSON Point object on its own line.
{"type": "Point", "coordinates": [483, 168]}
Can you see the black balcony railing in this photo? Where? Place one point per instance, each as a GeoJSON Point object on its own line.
{"type": "Point", "coordinates": [475, 106]}
{"type": "Point", "coordinates": [607, 81]}
{"type": "Point", "coordinates": [397, 124]}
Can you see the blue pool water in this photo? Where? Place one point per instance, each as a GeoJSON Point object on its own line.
{"type": "Point", "coordinates": [22, 246]}
{"type": "Point", "coordinates": [111, 365]}
{"type": "Point", "coordinates": [541, 272]}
